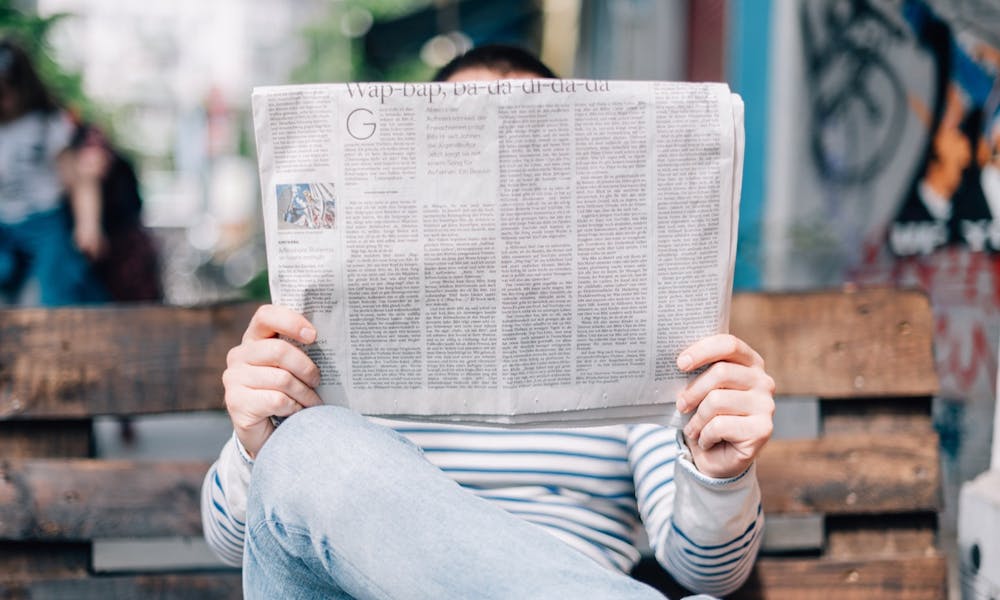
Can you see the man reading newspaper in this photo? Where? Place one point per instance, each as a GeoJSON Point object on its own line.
{"type": "Point", "coordinates": [331, 504]}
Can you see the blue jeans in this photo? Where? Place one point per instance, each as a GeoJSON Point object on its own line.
{"type": "Point", "coordinates": [42, 247]}
{"type": "Point", "coordinates": [342, 508]}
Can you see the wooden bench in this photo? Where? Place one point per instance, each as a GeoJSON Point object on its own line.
{"type": "Point", "coordinates": [851, 481]}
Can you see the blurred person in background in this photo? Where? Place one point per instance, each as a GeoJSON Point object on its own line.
{"type": "Point", "coordinates": [129, 269]}
{"type": "Point", "coordinates": [37, 164]}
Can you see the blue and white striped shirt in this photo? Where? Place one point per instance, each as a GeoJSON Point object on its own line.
{"type": "Point", "coordinates": [597, 489]}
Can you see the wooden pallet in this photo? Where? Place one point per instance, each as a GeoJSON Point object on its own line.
{"type": "Point", "coordinates": [852, 507]}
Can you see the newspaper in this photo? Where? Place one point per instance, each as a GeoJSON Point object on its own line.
{"type": "Point", "coordinates": [520, 252]}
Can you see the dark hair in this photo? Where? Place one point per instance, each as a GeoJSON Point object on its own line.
{"type": "Point", "coordinates": [496, 57]}
{"type": "Point", "coordinates": [18, 74]}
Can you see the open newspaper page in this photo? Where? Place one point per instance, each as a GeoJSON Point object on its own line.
{"type": "Point", "coordinates": [507, 252]}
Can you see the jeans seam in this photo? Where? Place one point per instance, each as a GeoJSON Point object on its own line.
{"type": "Point", "coordinates": [293, 530]}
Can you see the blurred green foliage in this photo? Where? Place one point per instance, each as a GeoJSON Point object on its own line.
{"type": "Point", "coordinates": [332, 55]}
{"type": "Point", "coordinates": [32, 33]}
{"type": "Point", "coordinates": [258, 288]}
{"type": "Point", "coordinates": [390, 9]}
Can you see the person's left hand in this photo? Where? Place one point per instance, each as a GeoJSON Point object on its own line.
{"type": "Point", "coordinates": [732, 404]}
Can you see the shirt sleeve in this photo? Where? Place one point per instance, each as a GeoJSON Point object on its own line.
{"type": "Point", "coordinates": [224, 502]}
{"type": "Point", "coordinates": [58, 134]}
{"type": "Point", "coordinates": [704, 531]}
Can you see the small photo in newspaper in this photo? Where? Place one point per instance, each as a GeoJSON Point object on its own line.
{"type": "Point", "coordinates": [306, 206]}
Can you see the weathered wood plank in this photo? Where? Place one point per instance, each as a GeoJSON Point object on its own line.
{"type": "Point", "coordinates": [852, 474]}
{"type": "Point", "coordinates": [76, 362]}
{"type": "Point", "coordinates": [71, 438]}
{"type": "Point", "coordinates": [83, 499]}
{"type": "Point", "coordinates": [195, 586]}
{"type": "Point", "coordinates": [877, 415]}
{"type": "Point", "coordinates": [841, 345]}
{"type": "Point", "coordinates": [20, 561]}
{"type": "Point", "coordinates": [67, 363]}
{"type": "Point", "coordinates": [908, 578]}
{"type": "Point", "coordinates": [882, 536]}
{"type": "Point", "coordinates": [904, 578]}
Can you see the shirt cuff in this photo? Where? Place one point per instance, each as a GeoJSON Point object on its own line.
{"type": "Point", "coordinates": [244, 455]}
{"type": "Point", "coordinates": [687, 463]}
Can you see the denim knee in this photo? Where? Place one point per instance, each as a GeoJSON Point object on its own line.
{"type": "Point", "coordinates": [319, 454]}
{"type": "Point", "coordinates": [311, 432]}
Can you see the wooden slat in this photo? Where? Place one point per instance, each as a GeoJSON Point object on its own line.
{"type": "Point", "coordinates": [877, 415]}
{"type": "Point", "coordinates": [912, 577]}
{"type": "Point", "coordinates": [74, 362]}
{"type": "Point", "coordinates": [905, 578]}
{"type": "Point", "coordinates": [46, 438]}
{"type": "Point", "coordinates": [65, 363]}
{"type": "Point", "coordinates": [38, 439]}
{"type": "Point", "coordinates": [197, 586]}
{"type": "Point", "coordinates": [83, 499]}
{"type": "Point", "coordinates": [881, 536]}
{"type": "Point", "coordinates": [853, 474]}
{"type": "Point", "coordinates": [841, 345]}
{"type": "Point", "coordinates": [23, 561]}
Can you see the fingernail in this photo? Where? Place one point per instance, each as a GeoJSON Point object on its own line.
{"type": "Point", "coordinates": [308, 334]}
{"type": "Point", "coordinates": [687, 431]}
{"type": "Point", "coordinates": [683, 362]}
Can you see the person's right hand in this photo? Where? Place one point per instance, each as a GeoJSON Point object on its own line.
{"type": "Point", "coordinates": [90, 240]}
{"type": "Point", "coordinates": [266, 376]}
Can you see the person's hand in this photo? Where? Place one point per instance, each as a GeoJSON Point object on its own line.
{"type": "Point", "coordinates": [267, 376]}
{"type": "Point", "coordinates": [90, 240]}
{"type": "Point", "coordinates": [92, 162]}
{"type": "Point", "coordinates": [82, 171]}
{"type": "Point", "coordinates": [732, 405]}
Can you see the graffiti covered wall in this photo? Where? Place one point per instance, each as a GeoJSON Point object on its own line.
{"type": "Point", "coordinates": [885, 169]}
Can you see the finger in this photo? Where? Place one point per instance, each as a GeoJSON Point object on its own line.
{"type": "Point", "coordinates": [717, 348]}
{"type": "Point", "coordinates": [271, 320]}
{"type": "Point", "coordinates": [273, 352]}
{"type": "Point", "coordinates": [248, 406]}
{"type": "Point", "coordinates": [271, 378]}
{"type": "Point", "coordinates": [722, 375]}
{"type": "Point", "coordinates": [739, 431]}
{"type": "Point", "coordinates": [727, 402]}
